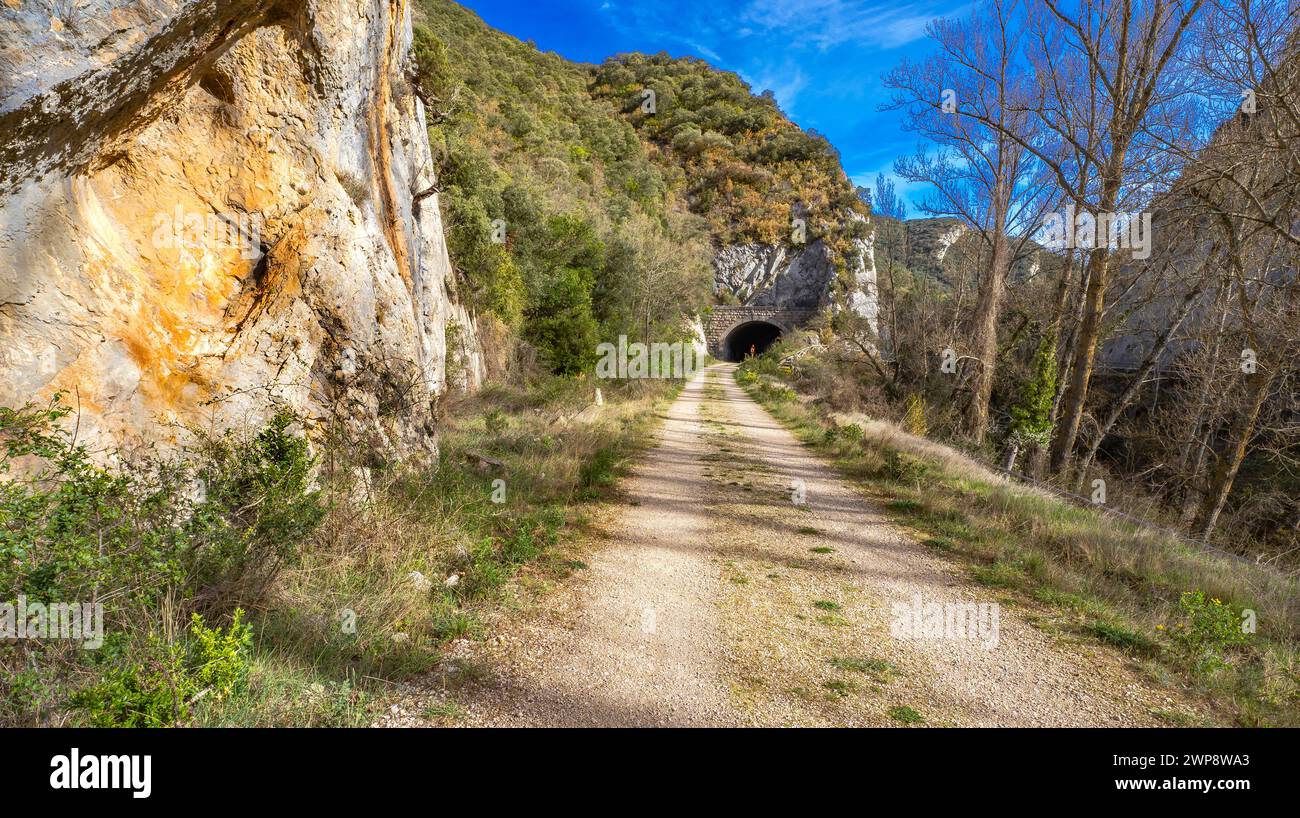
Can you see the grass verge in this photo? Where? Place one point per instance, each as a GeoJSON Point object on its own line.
{"type": "Point", "coordinates": [1222, 628]}
{"type": "Point", "coordinates": [318, 582]}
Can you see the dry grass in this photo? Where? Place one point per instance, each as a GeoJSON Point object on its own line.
{"type": "Point", "coordinates": [410, 560]}
{"type": "Point", "coordinates": [1086, 571]}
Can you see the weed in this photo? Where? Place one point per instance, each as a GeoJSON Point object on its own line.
{"type": "Point", "coordinates": [872, 666]}
{"type": "Point", "coordinates": [906, 715]}
{"type": "Point", "coordinates": [444, 711]}
{"type": "Point", "coordinates": [1209, 631]}
{"type": "Point", "coordinates": [1123, 637]}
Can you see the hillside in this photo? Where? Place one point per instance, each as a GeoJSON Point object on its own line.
{"type": "Point", "coordinates": [946, 249]}
{"type": "Point", "coordinates": [587, 222]}
{"type": "Point", "coordinates": [748, 168]}
{"type": "Point", "coordinates": [530, 138]}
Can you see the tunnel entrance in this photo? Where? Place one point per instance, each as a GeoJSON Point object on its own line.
{"type": "Point", "coordinates": [756, 334]}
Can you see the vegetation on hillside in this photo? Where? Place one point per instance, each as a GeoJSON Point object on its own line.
{"type": "Point", "coordinates": [556, 218]}
{"type": "Point", "coordinates": [749, 170]}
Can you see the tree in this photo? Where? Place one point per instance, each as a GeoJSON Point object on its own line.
{"type": "Point", "coordinates": [654, 275]}
{"type": "Point", "coordinates": [562, 327]}
{"type": "Point", "coordinates": [1153, 359]}
{"type": "Point", "coordinates": [1248, 183]}
{"type": "Point", "coordinates": [968, 102]}
{"type": "Point", "coordinates": [1117, 118]}
{"type": "Point", "coordinates": [884, 201]}
{"type": "Point", "coordinates": [431, 77]}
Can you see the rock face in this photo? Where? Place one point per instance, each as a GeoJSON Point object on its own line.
{"type": "Point", "coordinates": [210, 208]}
{"type": "Point", "coordinates": [863, 297]}
{"type": "Point", "coordinates": [800, 278]}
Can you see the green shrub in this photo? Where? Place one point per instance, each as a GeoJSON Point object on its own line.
{"type": "Point", "coordinates": [71, 529]}
{"type": "Point", "coordinates": [905, 468]}
{"type": "Point", "coordinates": [158, 683]}
{"type": "Point", "coordinates": [259, 507]}
{"type": "Point", "coordinates": [562, 326]}
{"type": "Point", "coordinates": [220, 659]}
{"type": "Point", "coordinates": [769, 363]}
{"type": "Point", "coordinates": [494, 422]}
{"type": "Point", "coordinates": [1210, 631]}
{"type": "Point", "coordinates": [775, 392]}
{"type": "Point", "coordinates": [149, 690]}
{"type": "Point", "coordinates": [600, 470]}
{"type": "Point", "coordinates": [152, 539]}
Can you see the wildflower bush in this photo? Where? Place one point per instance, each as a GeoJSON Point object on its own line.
{"type": "Point", "coordinates": [160, 685]}
{"type": "Point", "coordinates": [1210, 631]}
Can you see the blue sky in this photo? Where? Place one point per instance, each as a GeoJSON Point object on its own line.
{"type": "Point", "coordinates": [822, 58]}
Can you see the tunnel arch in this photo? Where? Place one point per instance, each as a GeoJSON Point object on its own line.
{"type": "Point", "coordinates": [759, 334]}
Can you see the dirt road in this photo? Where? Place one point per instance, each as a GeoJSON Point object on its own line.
{"type": "Point", "coordinates": [721, 599]}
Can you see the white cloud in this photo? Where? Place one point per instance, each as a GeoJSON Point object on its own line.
{"type": "Point", "coordinates": [826, 24]}
{"type": "Point", "coordinates": [665, 23]}
{"type": "Point", "coordinates": [784, 24]}
{"type": "Point", "coordinates": [785, 82]}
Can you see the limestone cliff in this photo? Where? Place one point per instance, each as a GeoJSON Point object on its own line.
{"type": "Point", "coordinates": [798, 277]}
{"type": "Point", "coordinates": [212, 207]}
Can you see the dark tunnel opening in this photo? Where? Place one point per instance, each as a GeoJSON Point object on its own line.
{"type": "Point", "coordinates": [754, 336]}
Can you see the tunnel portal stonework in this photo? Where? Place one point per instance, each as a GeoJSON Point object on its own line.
{"type": "Point", "coordinates": [722, 320]}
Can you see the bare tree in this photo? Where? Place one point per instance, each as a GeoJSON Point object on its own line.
{"type": "Point", "coordinates": [1105, 92]}
{"type": "Point", "coordinates": [967, 101]}
{"type": "Point", "coordinates": [1248, 182]}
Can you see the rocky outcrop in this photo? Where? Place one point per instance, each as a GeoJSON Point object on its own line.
{"type": "Point", "coordinates": [798, 277]}
{"type": "Point", "coordinates": [863, 297]}
{"type": "Point", "coordinates": [210, 208]}
{"type": "Point", "coordinates": [771, 274]}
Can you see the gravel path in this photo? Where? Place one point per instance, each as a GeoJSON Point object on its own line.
{"type": "Point", "coordinates": [718, 600]}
